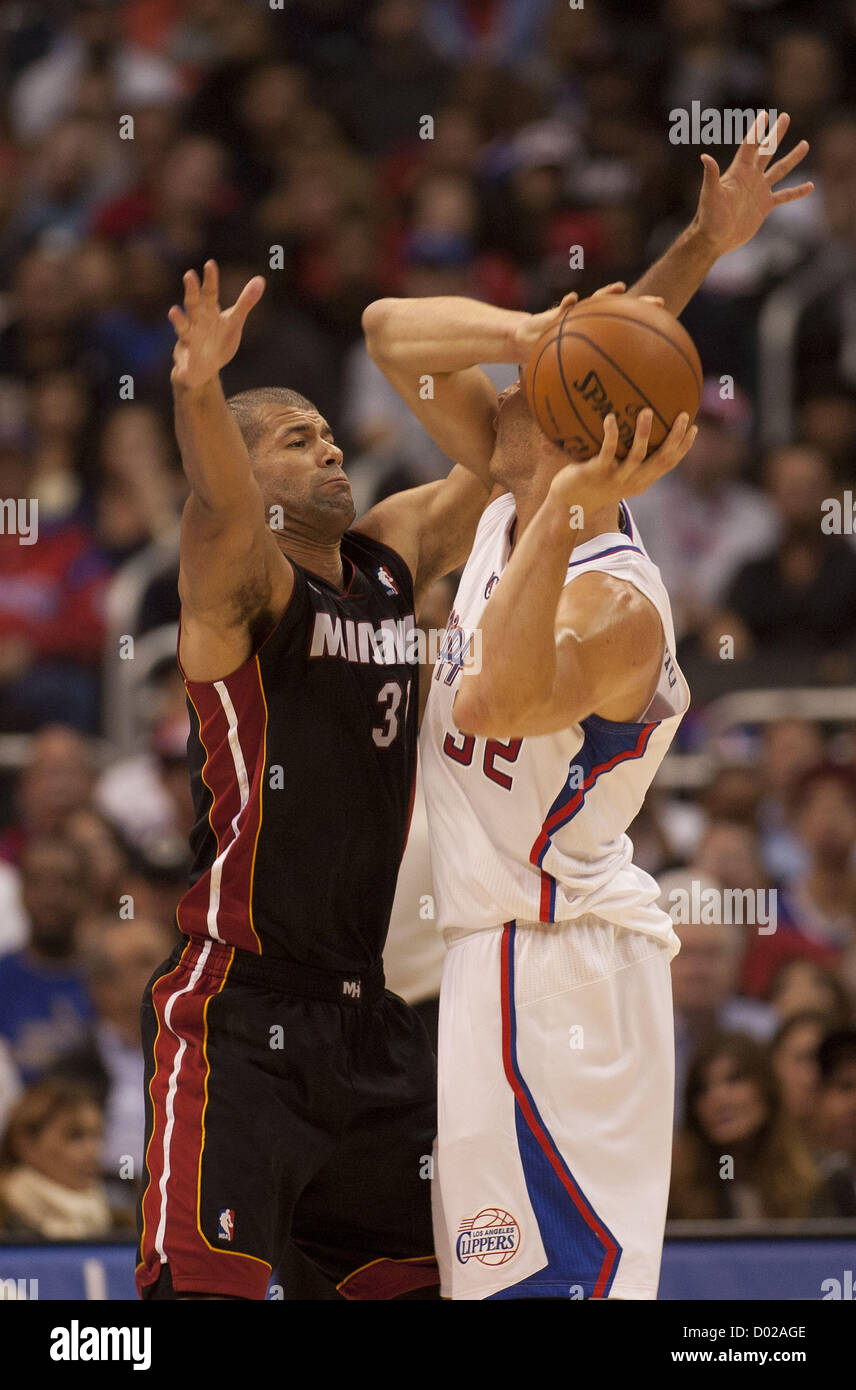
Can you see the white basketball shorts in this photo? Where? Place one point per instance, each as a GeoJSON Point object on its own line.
{"type": "Point", "coordinates": [556, 1077]}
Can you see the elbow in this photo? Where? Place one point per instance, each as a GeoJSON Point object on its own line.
{"type": "Point", "coordinates": [376, 323]}
{"type": "Point", "coordinates": [477, 715]}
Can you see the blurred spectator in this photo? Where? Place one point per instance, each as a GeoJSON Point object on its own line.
{"type": "Point", "coordinates": [136, 333]}
{"type": "Point", "coordinates": [41, 331]}
{"type": "Point", "coordinates": [176, 205]}
{"type": "Point", "coordinates": [279, 333]}
{"type": "Point", "coordinates": [57, 779]}
{"type": "Point", "coordinates": [147, 795]}
{"type": "Point", "coordinates": [796, 604]}
{"type": "Point", "coordinates": [706, 63]}
{"type": "Point", "coordinates": [733, 794]}
{"type": "Point", "coordinates": [793, 1052]}
{"type": "Point", "coordinates": [400, 78]}
{"type": "Point", "coordinates": [822, 901]}
{"type": "Point", "coordinates": [738, 1153]}
{"type": "Point", "coordinates": [60, 418]}
{"type": "Point", "coordinates": [825, 346]}
{"type": "Point", "coordinates": [804, 78]}
{"type": "Point", "coordinates": [729, 851]}
{"type": "Point", "coordinates": [828, 421]}
{"type": "Point", "coordinates": [789, 748]}
{"type": "Point", "coordinates": [701, 523]}
{"type": "Point", "coordinates": [502, 34]}
{"type": "Point", "coordinates": [141, 487]}
{"type": "Point", "coordinates": [105, 854]}
{"type": "Point", "coordinates": [77, 165]}
{"type": "Point", "coordinates": [52, 584]}
{"type": "Point", "coordinates": [90, 45]}
{"type": "Point", "coordinates": [705, 975]}
{"type": "Point", "coordinates": [803, 984]}
{"type": "Point", "coordinates": [117, 967]}
{"type": "Point", "coordinates": [44, 1007]}
{"type": "Point", "coordinates": [49, 1184]}
{"type": "Point", "coordinates": [836, 1060]}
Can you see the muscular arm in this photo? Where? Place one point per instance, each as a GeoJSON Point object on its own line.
{"type": "Point", "coordinates": [232, 574]}
{"type": "Point", "coordinates": [731, 208]}
{"type": "Point", "coordinates": [445, 338]}
{"type": "Point", "coordinates": [552, 654]}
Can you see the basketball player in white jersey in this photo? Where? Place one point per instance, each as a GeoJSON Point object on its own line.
{"type": "Point", "coordinates": [556, 1034]}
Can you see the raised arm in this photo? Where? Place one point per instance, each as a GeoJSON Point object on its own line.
{"type": "Point", "coordinates": [429, 350]}
{"type": "Point", "coordinates": [233, 578]}
{"type": "Point", "coordinates": [731, 209]}
{"type": "Point", "coordinates": [551, 653]}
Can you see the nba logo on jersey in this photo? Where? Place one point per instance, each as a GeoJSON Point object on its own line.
{"type": "Point", "coordinates": [387, 580]}
{"type": "Point", "coordinates": [225, 1224]}
{"type": "Point", "coordinates": [492, 1237]}
{"type": "Point", "coordinates": [491, 584]}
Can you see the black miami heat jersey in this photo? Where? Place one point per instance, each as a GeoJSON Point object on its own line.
{"type": "Point", "coordinates": [302, 768]}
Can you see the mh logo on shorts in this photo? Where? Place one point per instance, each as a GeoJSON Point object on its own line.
{"type": "Point", "coordinates": [492, 1237]}
{"type": "Point", "coordinates": [226, 1224]}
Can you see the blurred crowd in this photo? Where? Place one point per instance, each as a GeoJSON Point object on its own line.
{"type": "Point", "coordinates": [347, 149]}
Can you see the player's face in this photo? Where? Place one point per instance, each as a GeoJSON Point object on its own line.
{"type": "Point", "coordinates": [298, 467]}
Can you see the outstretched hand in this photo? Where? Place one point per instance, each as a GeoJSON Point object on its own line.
{"type": "Point", "coordinates": [732, 206]}
{"type": "Point", "coordinates": [207, 336]}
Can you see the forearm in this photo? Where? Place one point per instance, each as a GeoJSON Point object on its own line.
{"type": "Point", "coordinates": [213, 452]}
{"type": "Point", "coordinates": [680, 271]}
{"type": "Point", "coordinates": [517, 672]}
{"type": "Point", "coordinates": [447, 333]}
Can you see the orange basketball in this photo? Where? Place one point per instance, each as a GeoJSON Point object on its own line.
{"type": "Point", "coordinates": [615, 354]}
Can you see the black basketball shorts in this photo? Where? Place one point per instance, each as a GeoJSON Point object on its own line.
{"type": "Point", "coordinates": [283, 1102]}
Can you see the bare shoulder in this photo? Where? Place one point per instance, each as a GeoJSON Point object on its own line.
{"type": "Point", "coordinates": [597, 600]}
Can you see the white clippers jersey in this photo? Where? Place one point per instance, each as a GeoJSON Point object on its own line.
{"type": "Point", "coordinates": [534, 829]}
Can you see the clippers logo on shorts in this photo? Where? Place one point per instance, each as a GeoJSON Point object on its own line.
{"type": "Point", "coordinates": [226, 1224]}
{"type": "Point", "coordinates": [387, 580]}
{"type": "Point", "coordinates": [492, 1237]}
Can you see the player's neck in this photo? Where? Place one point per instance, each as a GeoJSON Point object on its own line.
{"type": "Point", "coordinates": [323, 558]}
{"type": "Point", "coordinates": [528, 503]}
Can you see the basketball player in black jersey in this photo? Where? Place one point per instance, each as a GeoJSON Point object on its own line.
{"type": "Point", "coordinates": [287, 1093]}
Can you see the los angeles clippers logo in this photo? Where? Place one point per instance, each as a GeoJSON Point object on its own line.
{"type": "Point", "coordinates": [226, 1224]}
{"type": "Point", "coordinates": [387, 580]}
{"type": "Point", "coordinates": [492, 1237]}
{"type": "Point", "coordinates": [454, 650]}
